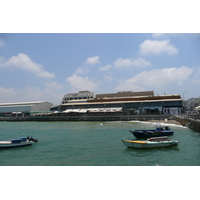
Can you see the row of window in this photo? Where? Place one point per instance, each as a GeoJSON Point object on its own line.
{"type": "Point", "coordinates": [126, 105]}
{"type": "Point", "coordinates": [76, 98]}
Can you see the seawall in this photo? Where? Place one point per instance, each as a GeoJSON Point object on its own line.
{"type": "Point", "coordinates": [186, 120]}
{"type": "Point", "coordinates": [88, 118]}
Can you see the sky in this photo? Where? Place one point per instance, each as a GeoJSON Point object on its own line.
{"type": "Point", "coordinates": [100, 46]}
{"type": "Point", "coordinates": [45, 66]}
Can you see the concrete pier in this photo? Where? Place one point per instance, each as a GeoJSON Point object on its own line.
{"type": "Point", "coordinates": [88, 118]}
{"type": "Point", "coordinates": [191, 121]}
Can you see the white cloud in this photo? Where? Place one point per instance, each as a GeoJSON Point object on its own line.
{"type": "Point", "coordinates": [24, 62]}
{"type": "Point", "coordinates": [120, 62]}
{"type": "Point", "coordinates": [78, 83]}
{"type": "Point", "coordinates": [126, 62]}
{"type": "Point", "coordinates": [105, 68]}
{"type": "Point", "coordinates": [92, 60]}
{"type": "Point", "coordinates": [2, 43]}
{"type": "Point", "coordinates": [157, 47]}
{"type": "Point", "coordinates": [82, 70]}
{"type": "Point", "coordinates": [156, 78]}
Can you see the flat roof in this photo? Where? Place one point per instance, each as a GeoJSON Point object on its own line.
{"type": "Point", "coordinates": [125, 94]}
{"type": "Point", "coordinates": [22, 103]}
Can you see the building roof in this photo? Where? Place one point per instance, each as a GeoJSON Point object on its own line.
{"type": "Point", "coordinates": [115, 102]}
{"type": "Point", "coordinates": [125, 94]}
{"type": "Point", "coordinates": [22, 103]}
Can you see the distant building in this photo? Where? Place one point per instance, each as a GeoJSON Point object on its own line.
{"type": "Point", "coordinates": [127, 102]}
{"type": "Point", "coordinates": [191, 103]}
{"type": "Point", "coordinates": [24, 107]}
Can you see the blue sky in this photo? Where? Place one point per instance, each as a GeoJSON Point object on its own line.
{"type": "Point", "coordinates": [48, 50]}
{"type": "Point", "coordinates": [45, 66]}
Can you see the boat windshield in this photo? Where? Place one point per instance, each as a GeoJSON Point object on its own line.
{"type": "Point", "coordinates": [158, 127]}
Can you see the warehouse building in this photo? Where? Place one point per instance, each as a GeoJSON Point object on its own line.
{"type": "Point", "coordinates": [7, 109]}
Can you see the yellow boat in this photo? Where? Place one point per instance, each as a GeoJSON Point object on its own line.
{"type": "Point", "coordinates": [151, 143]}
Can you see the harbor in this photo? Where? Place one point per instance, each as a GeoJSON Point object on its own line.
{"type": "Point", "coordinates": [95, 144]}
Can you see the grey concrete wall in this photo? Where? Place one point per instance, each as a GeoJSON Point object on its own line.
{"type": "Point", "coordinates": [88, 118]}
{"type": "Point", "coordinates": [192, 123]}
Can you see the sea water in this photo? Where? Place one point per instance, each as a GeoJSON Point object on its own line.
{"type": "Point", "coordinates": [94, 144]}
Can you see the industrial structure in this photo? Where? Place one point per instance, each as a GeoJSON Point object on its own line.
{"type": "Point", "coordinates": [24, 108]}
{"type": "Point", "coordinates": [86, 103]}
{"type": "Point", "coordinates": [125, 102]}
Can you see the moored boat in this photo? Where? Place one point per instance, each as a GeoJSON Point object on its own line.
{"type": "Point", "coordinates": [151, 143]}
{"type": "Point", "coordinates": [158, 132]}
{"type": "Point", "coordinates": [18, 142]}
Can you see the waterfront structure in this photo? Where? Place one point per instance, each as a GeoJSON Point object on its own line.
{"type": "Point", "coordinates": [126, 102]}
{"type": "Point", "coordinates": [7, 109]}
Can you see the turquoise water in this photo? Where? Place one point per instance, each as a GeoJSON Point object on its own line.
{"type": "Point", "coordinates": [94, 144]}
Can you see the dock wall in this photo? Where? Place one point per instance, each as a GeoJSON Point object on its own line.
{"type": "Point", "coordinates": [88, 118]}
{"type": "Point", "coordinates": [189, 121]}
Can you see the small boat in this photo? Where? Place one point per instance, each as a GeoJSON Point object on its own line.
{"type": "Point", "coordinates": [151, 143]}
{"type": "Point", "coordinates": [158, 132]}
{"type": "Point", "coordinates": [18, 142]}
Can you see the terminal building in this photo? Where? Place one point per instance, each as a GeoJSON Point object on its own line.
{"type": "Point", "coordinates": [125, 102]}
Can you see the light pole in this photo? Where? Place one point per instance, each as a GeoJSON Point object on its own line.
{"type": "Point", "coordinates": [184, 104]}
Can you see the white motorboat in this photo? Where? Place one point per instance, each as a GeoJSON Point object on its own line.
{"type": "Point", "coordinates": [18, 142]}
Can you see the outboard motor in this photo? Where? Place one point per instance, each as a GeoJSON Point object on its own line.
{"type": "Point", "coordinates": [30, 138]}
{"type": "Point", "coordinates": [167, 128]}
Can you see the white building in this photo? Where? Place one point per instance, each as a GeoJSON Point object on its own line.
{"type": "Point", "coordinates": [81, 96]}
{"type": "Point", "coordinates": [25, 107]}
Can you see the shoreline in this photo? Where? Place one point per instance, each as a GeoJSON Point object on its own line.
{"type": "Point", "coordinates": [166, 121]}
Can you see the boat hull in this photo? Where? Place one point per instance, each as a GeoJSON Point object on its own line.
{"type": "Point", "coordinates": [148, 144]}
{"type": "Point", "coordinates": [150, 133]}
{"type": "Point", "coordinates": [18, 142]}
{"type": "Point", "coordinates": [11, 145]}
